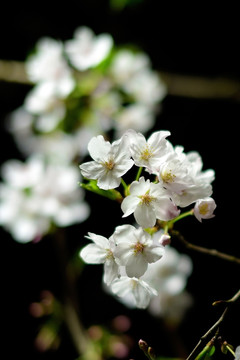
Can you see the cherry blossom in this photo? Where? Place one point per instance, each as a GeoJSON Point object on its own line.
{"type": "Point", "coordinates": [135, 249]}
{"type": "Point", "coordinates": [101, 251]}
{"type": "Point", "coordinates": [204, 208]}
{"type": "Point", "coordinates": [35, 195]}
{"type": "Point", "coordinates": [148, 202]}
{"type": "Point", "coordinates": [137, 290]}
{"type": "Point", "coordinates": [111, 162]}
{"type": "Point", "coordinates": [86, 50]}
{"type": "Point", "coordinates": [48, 65]}
{"type": "Point", "coordinates": [146, 153]}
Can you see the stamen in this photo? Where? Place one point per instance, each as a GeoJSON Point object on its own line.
{"type": "Point", "coordinates": [146, 154]}
{"type": "Point", "coordinates": [146, 199]}
{"type": "Point", "coordinates": [109, 254]}
{"type": "Point", "coordinates": [138, 248]}
{"type": "Point", "coordinates": [109, 164]}
{"type": "Point", "coordinates": [203, 209]}
{"type": "Point", "coordinates": [167, 176]}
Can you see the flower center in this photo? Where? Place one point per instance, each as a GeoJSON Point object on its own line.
{"type": "Point", "coordinates": [146, 198]}
{"type": "Point", "coordinates": [138, 248]}
{"type": "Point", "coordinates": [167, 176]}
{"type": "Point", "coordinates": [109, 254]}
{"type": "Point", "coordinates": [109, 165]}
{"type": "Point", "coordinates": [203, 209]}
{"type": "Point", "coordinates": [146, 154]}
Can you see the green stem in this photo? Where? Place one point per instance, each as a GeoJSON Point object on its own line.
{"type": "Point", "coordinates": [125, 186]}
{"type": "Point", "coordinates": [180, 217]}
{"type": "Point", "coordinates": [139, 173]}
{"type": "Point", "coordinates": [168, 225]}
{"type": "Point", "coordinates": [231, 350]}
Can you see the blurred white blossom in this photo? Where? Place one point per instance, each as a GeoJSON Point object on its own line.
{"type": "Point", "coordinates": [48, 65]}
{"type": "Point", "coordinates": [237, 353]}
{"type": "Point", "coordinates": [86, 49]}
{"type": "Point", "coordinates": [35, 195]}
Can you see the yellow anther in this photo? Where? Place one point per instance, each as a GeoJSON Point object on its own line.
{"type": "Point", "coordinates": [146, 198]}
{"type": "Point", "coordinates": [146, 153]}
{"type": "Point", "coordinates": [109, 164]}
{"type": "Point", "coordinates": [138, 248]}
{"type": "Point", "coordinates": [168, 176]}
{"type": "Point", "coordinates": [203, 209]}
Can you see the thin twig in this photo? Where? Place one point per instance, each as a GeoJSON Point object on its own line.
{"type": "Point", "coordinates": [217, 323]}
{"type": "Point", "coordinates": [212, 252]}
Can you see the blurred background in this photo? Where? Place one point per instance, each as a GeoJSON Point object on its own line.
{"type": "Point", "coordinates": [195, 49]}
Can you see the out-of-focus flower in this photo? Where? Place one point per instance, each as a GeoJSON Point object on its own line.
{"type": "Point", "coordinates": [237, 353]}
{"type": "Point", "coordinates": [148, 202]}
{"type": "Point", "coordinates": [48, 65]}
{"type": "Point", "coordinates": [169, 277]}
{"type": "Point", "coordinates": [34, 195]}
{"type": "Point", "coordinates": [111, 162]}
{"type": "Point", "coordinates": [138, 290]}
{"type": "Point", "coordinates": [204, 209]}
{"type": "Point", "coordinates": [43, 102]}
{"type": "Point", "coordinates": [86, 50]}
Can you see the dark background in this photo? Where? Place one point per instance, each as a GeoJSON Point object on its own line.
{"type": "Point", "coordinates": [192, 40]}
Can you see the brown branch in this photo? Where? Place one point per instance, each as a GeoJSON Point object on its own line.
{"type": "Point", "coordinates": [200, 87]}
{"type": "Point", "coordinates": [212, 252]}
{"type": "Point", "coordinates": [217, 323]}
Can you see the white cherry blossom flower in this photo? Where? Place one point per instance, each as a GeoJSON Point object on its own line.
{"type": "Point", "coordinates": [111, 162]}
{"type": "Point", "coordinates": [101, 252]}
{"type": "Point", "coordinates": [34, 195]}
{"type": "Point", "coordinates": [204, 208]}
{"type": "Point", "coordinates": [139, 293]}
{"type": "Point", "coordinates": [135, 249]}
{"type": "Point", "coordinates": [181, 174]}
{"type": "Point", "coordinates": [48, 65]}
{"type": "Point", "coordinates": [148, 202]}
{"type": "Point", "coordinates": [146, 87]}
{"type": "Point", "coordinates": [86, 50]}
{"type": "Point", "coordinates": [127, 64]}
{"type": "Point", "coordinates": [135, 116]}
{"type": "Point", "coordinates": [146, 153]}
{"type": "Point", "coordinates": [43, 101]}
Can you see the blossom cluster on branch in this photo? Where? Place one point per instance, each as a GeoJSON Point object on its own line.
{"type": "Point", "coordinates": [172, 180]}
{"type": "Point", "coordinates": [80, 87]}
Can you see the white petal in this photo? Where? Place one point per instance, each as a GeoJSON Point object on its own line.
{"type": "Point", "coordinates": [99, 148]}
{"type": "Point", "coordinates": [154, 253]}
{"type": "Point", "coordinates": [91, 170]}
{"type": "Point", "coordinates": [108, 181]}
{"type": "Point", "coordinates": [142, 293]}
{"type": "Point", "coordinates": [99, 240]}
{"type": "Point", "coordinates": [121, 286]}
{"type": "Point", "coordinates": [92, 254]}
{"type": "Point", "coordinates": [145, 215]}
{"type": "Point", "coordinates": [129, 205]}
{"type": "Point", "coordinates": [136, 266]}
{"type": "Point", "coordinates": [110, 271]}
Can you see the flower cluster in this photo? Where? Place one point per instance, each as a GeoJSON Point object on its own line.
{"type": "Point", "coordinates": [82, 87]}
{"type": "Point", "coordinates": [36, 195]}
{"type": "Point", "coordinates": [173, 180]}
{"type": "Point", "coordinates": [78, 88]}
